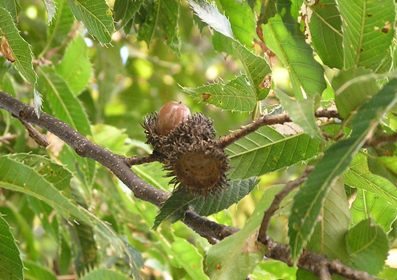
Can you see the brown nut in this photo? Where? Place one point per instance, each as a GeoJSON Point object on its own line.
{"type": "Point", "coordinates": [170, 116]}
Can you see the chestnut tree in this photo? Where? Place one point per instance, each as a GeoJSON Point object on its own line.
{"type": "Point", "coordinates": [198, 139]}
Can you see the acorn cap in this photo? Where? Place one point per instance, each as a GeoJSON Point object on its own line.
{"type": "Point", "coordinates": [190, 154]}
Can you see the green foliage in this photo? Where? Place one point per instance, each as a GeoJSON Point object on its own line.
{"type": "Point", "coordinates": [236, 256]}
{"type": "Point", "coordinates": [367, 246]}
{"type": "Point", "coordinates": [104, 274]}
{"type": "Point", "coordinates": [10, 259]}
{"type": "Point", "coordinates": [277, 150]}
{"type": "Point", "coordinates": [96, 16]}
{"type": "Point", "coordinates": [76, 75]}
{"type": "Point", "coordinates": [309, 200]}
{"type": "Point", "coordinates": [102, 66]}
{"type": "Point", "coordinates": [326, 30]}
{"type": "Point", "coordinates": [365, 22]}
{"type": "Point", "coordinates": [20, 49]}
{"type": "Point", "coordinates": [306, 75]}
{"type": "Point", "coordinates": [180, 200]}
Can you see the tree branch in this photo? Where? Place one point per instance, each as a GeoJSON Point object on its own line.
{"type": "Point", "coordinates": [142, 190]}
{"type": "Point", "coordinates": [40, 139]}
{"type": "Point", "coordinates": [262, 236]}
{"type": "Point", "coordinates": [141, 160]}
{"type": "Point", "coordinates": [314, 262]}
{"type": "Point", "coordinates": [267, 120]}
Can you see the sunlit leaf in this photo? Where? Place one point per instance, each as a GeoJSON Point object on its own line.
{"type": "Point", "coordinates": [242, 20]}
{"type": "Point", "coordinates": [51, 9]}
{"type": "Point", "coordinates": [210, 14]}
{"type": "Point", "coordinates": [367, 204]}
{"type": "Point", "coordinates": [76, 75]}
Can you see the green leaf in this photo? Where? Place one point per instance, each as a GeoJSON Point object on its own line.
{"type": "Point", "coordinates": [147, 28]}
{"type": "Point", "coordinates": [36, 271]}
{"type": "Point", "coordinates": [188, 257]}
{"type": "Point", "coordinates": [10, 259]}
{"type": "Point", "coordinates": [301, 112]}
{"type": "Point", "coordinates": [11, 7]}
{"type": "Point", "coordinates": [104, 274]}
{"type": "Point", "coordinates": [96, 16]}
{"type": "Point", "coordinates": [19, 47]}
{"type": "Point", "coordinates": [233, 193]}
{"type": "Point", "coordinates": [266, 150]}
{"type": "Point", "coordinates": [359, 176]}
{"type": "Point", "coordinates": [174, 207]}
{"type": "Point", "coordinates": [179, 201]}
{"type": "Point", "coordinates": [85, 247]}
{"type": "Point", "coordinates": [310, 198]}
{"type": "Point", "coordinates": [235, 95]}
{"type": "Point", "coordinates": [237, 255]}
{"type": "Point", "coordinates": [242, 20]}
{"type": "Point", "coordinates": [326, 32]}
{"type": "Point", "coordinates": [17, 176]}
{"type": "Point", "coordinates": [76, 75]}
{"type": "Point", "coordinates": [367, 246]}
{"type": "Point", "coordinates": [368, 204]}
{"type": "Point", "coordinates": [65, 106]}
{"type": "Point", "coordinates": [210, 14]}
{"type": "Point", "coordinates": [125, 10]}
{"type": "Point", "coordinates": [288, 43]}
{"type": "Point", "coordinates": [255, 67]}
{"type": "Point", "coordinates": [52, 172]}
{"type": "Point", "coordinates": [60, 25]}
{"type": "Point", "coordinates": [51, 9]}
{"type": "Point", "coordinates": [305, 73]}
{"type": "Point", "coordinates": [368, 28]}
{"type": "Point", "coordinates": [329, 235]}
{"type": "Point", "coordinates": [169, 17]}
{"type": "Point", "coordinates": [351, 97]}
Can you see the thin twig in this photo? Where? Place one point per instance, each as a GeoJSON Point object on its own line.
{"type": "Point", "coordinates": [141, 160]}
{"type": "Point", "coordinates": [274, 206]}
{"type": "Point", "coordinates": [7, 138]}
{"type": "Point", "coordinates": [142, 190]}
{"type": "Point", "coordinates": [381, 140]}
{"type": "Point", "coordinates": [39, 138]}
{"type": "Point", "coordinates": [267, 120]}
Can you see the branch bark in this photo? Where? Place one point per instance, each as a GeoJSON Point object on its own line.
{"type": "Point", "coordinates": [212, 231]}
{"type": "Point", "coordinates": [267, 120]}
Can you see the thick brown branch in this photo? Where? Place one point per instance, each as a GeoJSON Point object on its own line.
{"type": "Point", "coordinates": [274, 206]}
{"type": "Point", "coordinates": [142, 190]}
{"type": "Point", "coordinates": [267, 120]}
